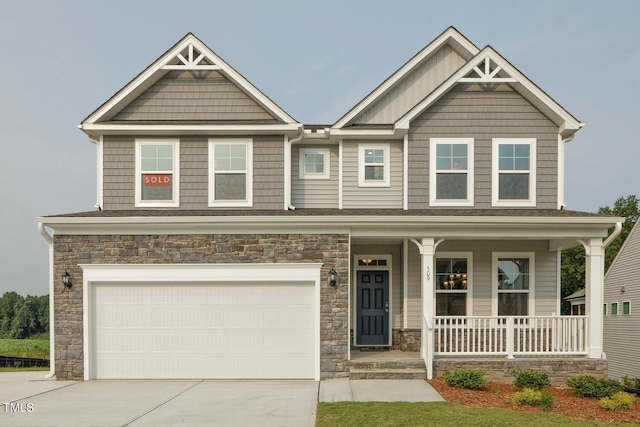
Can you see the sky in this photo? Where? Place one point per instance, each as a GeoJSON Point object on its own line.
{"type": "Point", "coordinates": [60, 60]}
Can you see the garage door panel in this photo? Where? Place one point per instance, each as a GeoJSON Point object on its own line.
{"type": "Point", "coordinates": [238, 330]}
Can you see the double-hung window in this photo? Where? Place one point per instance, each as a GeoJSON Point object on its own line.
{"type": "Point", "coordinates": [373, 165]}
{"type": "Point", "coordinates": [157, 182]}
{"type": "Point", "coordinates": [314, 163]}
{"type": "Point", "coordinates": [453, 281]}
{"type": "Point", "coordinates": [230, 172]}
{"type": "Point", "coordinates": [514, 172]}
{"type": "Point", "coordinates": [513, 278]}
{"type": "Point", "coordinates": [451, 171]}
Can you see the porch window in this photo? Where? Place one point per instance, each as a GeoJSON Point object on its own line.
{"type": "Point", "coordinates": [514, 172]}
{"type": "Point", "coordinates": [157, 175]}
{"type": "Point", "coordinates": [451, 171]}
{"type": "Point", "coordinates": [513, 275]}
{"type": "Point", "coordinates": [373, 169]}
{"type": "Point", "coordinates": [452, 284]}
{"type": "Point", "coordinates": [230, 172]}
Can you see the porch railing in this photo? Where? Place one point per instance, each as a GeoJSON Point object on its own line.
{"type": "Point", "coordinates": [510, 335]}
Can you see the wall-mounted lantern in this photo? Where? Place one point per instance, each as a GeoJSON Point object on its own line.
{"type": "Point", "coordinates": [333, 277]}
{"type": "Point", "coordinates": [66, 280]}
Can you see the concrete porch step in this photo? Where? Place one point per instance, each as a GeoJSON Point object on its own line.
{"type": "Point", "coordinates": [400, 369]}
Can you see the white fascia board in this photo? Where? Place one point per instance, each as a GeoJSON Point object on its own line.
{"type": "Point", "coordinates": [568, 126]}
{"type": "Point", "coordinates": [175, 129]}
{"type": "Point", "coordinates": [157, 67]}
{"type": "Point", "coordinates": [450, 33]}
{"type": "Point", "coordinates": [494, 227]}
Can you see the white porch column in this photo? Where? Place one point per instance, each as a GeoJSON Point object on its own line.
{"type": "Point", "coordinates": [594, 294]}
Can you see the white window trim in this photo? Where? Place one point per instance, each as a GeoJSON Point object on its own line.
{"type": "Point", "coordinates": [532, 279]}
{"type": "Point", "coordinates": [622, 308]}
{"type": "Point", "coordinates": [385, 182]}
{"type": "Point", "coordinates": [175, 202]}
{"type": "Point", "coordinates": [433, 142]}
{"type": "Point", "coordinates": [469, 290]}
{"type": "Point", "coordinates": [312, 175]}
{"type": "Point", "coordinates": [248, 202]}
{"type": "Point", "coordinates": [495, 200]}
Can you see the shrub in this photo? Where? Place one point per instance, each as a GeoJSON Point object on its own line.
{"type": "Point", "coordinates": [532, 397]}
{"type": "Point", "coordinates": [589, 386]}
{"type": "Point", "coordinates": [620, 400]}
{"type": "Point", "coordinates": [631, 382]}
{"type": "Point", "coordinates": [530, 379]}
{"type": "Point", "coordinates": [466, 378]}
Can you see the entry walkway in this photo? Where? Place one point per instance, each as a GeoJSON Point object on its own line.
{"type": "Point", "coordinates": [347, 390]}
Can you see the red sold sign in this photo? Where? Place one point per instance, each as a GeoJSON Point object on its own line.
{"type": "Point", "coordinates": [157, 180]}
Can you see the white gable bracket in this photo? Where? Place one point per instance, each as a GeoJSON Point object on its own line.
{"type": "Point", "coordinates": [487, 75]}
{"type": "Point", "coordinates": [191, 63]}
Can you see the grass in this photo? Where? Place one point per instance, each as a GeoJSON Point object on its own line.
{"type": "Point", "coordinates": [7, 369]}
{"type": "Point", "coordinates": [24, 348]}
{"type": "Point", "coordinates": [380, 414]}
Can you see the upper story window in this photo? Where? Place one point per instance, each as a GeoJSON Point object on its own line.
{"type": "Point", "coordinates": [514, 172]}
{"type": "Point", "coordinates": [314, 164]}
{"type": "Point", "coordinates": [230, 172]}
{"type": "Point", "coordinates": [157, 182]}
{"type": "Point", "coordinates": [453, 281]}
{"type": "Point", "coordinates": [373, 165]}
{"type": "Point", "coordinates": [451, 171]}
{"type": "Point", "coordinates": [513, 275]}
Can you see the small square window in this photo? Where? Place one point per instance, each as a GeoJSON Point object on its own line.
{"type": "Point", "coordinates": [373, 165]}
{"type": "Point", "coordinates": [314, 164]}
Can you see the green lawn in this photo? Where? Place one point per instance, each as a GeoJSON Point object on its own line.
{"type": "Point", "coordinates": [24, 348]}
{"type": "Point", "coordinates": [380, 414]}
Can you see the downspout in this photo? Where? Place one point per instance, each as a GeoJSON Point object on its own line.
{"type": "Point", "coordinates": [616, 232]}
{"type": "Point", "coordinates": [289, 143]}
{"type": "Point", "coordinates": [52, 336]}
{"type": "Point", "coordinates": [561, 169]}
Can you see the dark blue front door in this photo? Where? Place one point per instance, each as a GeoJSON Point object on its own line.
{"type": "Point", "coordinates": [372, 308]}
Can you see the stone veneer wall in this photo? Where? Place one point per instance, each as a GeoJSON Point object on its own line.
{"type": "Point", "coordinates": [499, 370]}
{"type": "Point", "coordinates": [330, 249]}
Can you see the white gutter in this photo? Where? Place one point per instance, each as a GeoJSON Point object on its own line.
{"type": "Point", "coordinates": [616, 232]}
{"type": "Point", "coordinates": [287, 168]}
{"type": "Point", "coordinates": [52, 336]}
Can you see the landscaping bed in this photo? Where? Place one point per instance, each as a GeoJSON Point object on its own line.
{"type": "Point", "coordinates": [565, 402]}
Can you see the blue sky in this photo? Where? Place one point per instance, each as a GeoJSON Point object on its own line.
{"type": "Point", "coordinates": [60, 60]}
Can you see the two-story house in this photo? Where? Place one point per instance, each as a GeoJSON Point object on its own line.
{"type": "Point", "coordinates": [232, 241]}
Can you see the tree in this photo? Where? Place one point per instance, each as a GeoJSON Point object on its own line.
{"type": "Point", "coordinates": [10, 303]}
{"type": "Point", "coordinates": [572, 270]}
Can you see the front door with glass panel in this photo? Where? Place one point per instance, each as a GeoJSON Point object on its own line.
{"type": "Point", "coordinates": [372, 308]}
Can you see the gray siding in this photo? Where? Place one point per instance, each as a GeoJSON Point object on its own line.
{"type": "Point", "coordinates": [621, 336]}
{"type": "Point", "coordinates": [469, 111]}
{"type": "Point", "coordinates": [416, 85]}
{"type": "Point", "coordinates": [546, 284]}
{"type": "Point", "coordinates": [396, 276]}
{"type": "Point", "coordinates": [354, 197]}
{"type": "Point", "coordinates": [314, 193]}
{"type": "Point", "coordinates": [119, 170]}
{"type": "Point", "coordinates": [186, 95]}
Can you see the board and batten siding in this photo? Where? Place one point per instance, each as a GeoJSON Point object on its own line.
{"type": "Point", "coordinates": [546, 283]}
{"type": "Point", "coordinates": [314, 193]}
{"type": "Point", "coordinates": [188, 95]}
{"type": "Point", "coordinates": [355, 197]}
{"type": "Point", "coordinates": [621, 337]}
{"type": "Point", "coordinates": [119, 171]}
{"type": "Point", "coordinates": [468, 111]}
{"type": "Point", "coordinates": [414, 87]}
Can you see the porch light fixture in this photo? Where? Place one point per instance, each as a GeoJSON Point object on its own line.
{"type": "Point", "coordinates": [66, 280]}
{"type": "Point", "coordinates": [333, 277]}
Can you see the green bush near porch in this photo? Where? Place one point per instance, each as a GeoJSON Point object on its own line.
{"type": "Point", "coordinates": [466, 378]}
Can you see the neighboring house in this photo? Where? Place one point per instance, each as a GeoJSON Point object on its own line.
{"type": "Point", "coordinates": [622, 309]}
{"type": "Point", "coordinates": [232, 241]}
{"type": "Point", "coordinates": [577, 301]}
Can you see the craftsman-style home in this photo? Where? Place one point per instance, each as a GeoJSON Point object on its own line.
{"type": "Point", "coordinates": [230, 240]}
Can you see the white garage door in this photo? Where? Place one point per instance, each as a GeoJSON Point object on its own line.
{"type": "Point", "coordinates": [203, 330]}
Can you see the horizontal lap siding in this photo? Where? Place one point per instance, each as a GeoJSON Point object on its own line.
{"type": "Point", "coordinates": [119, 170]}
{"type": "Point", "coordinates": [468, 111]}
{"type": "Point", "coordinates": [314, 193]}
{"type": "Point", "coordinates": [421, 81]}
{"type": "Point", "coordinates": [355, 197]}
{"type": "Point", "coordinates": [546, 288]}
{"type": "Point", "coordinates": [620, 345]}
{"type": "Point", "coordinates": [186, 95]}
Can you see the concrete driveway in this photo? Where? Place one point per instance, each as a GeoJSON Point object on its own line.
{"type": "Point", "coordinates": [28, 400]}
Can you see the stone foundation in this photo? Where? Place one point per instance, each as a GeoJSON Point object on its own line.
{"type": "Point", "coordinates": [500, 370]}
{"type": "Point", "coordinates": [407, 339]}
{"type": "Point", "coordinates": [71, 250]}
